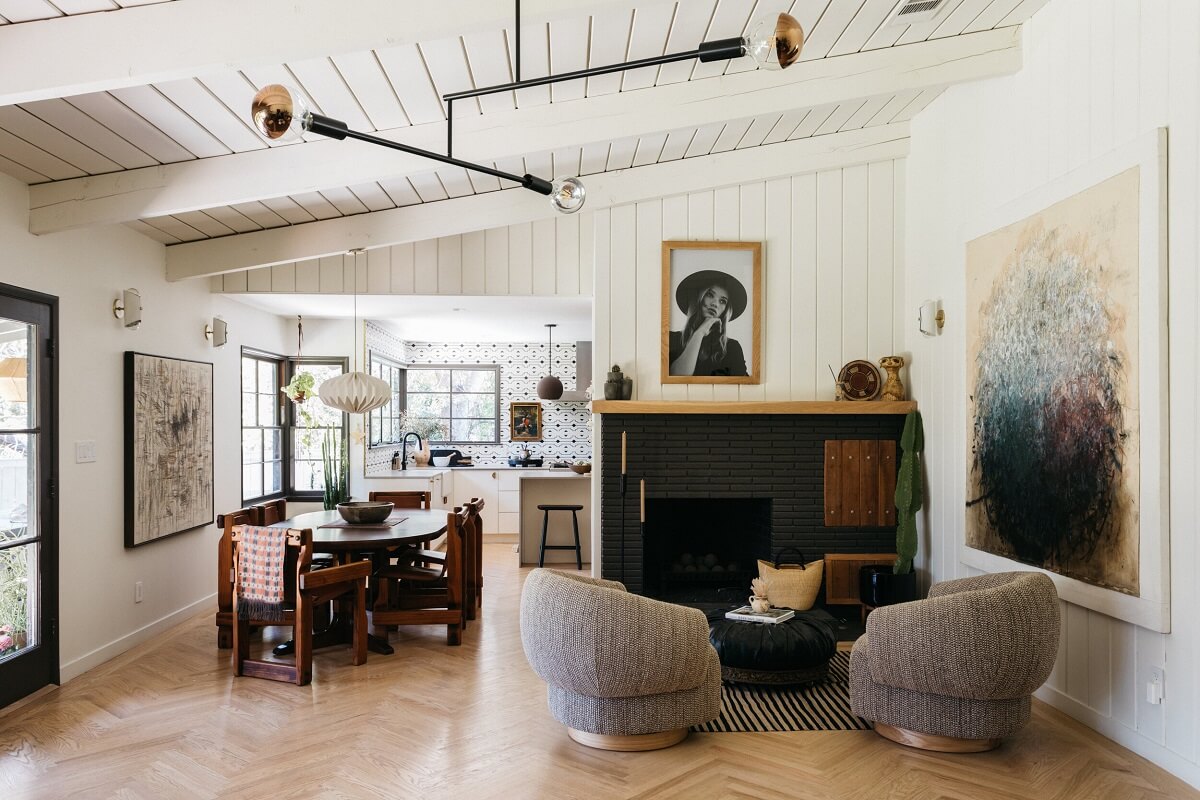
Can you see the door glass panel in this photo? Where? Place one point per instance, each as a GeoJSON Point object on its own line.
{"type": "Point", "coordinates": [16, 377]}
{"type": "Point", "coordinates": [18, 599]}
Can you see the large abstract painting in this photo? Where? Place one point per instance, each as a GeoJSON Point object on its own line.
{"type": "Point", "coordinates": [168, 446]}
{"type": "Point", "coordinates": [1064, 353]}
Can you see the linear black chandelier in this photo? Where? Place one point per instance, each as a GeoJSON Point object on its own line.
{"type": "Point", "coordinates": [773, 40]}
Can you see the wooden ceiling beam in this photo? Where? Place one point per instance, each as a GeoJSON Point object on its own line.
{"type": "Point", "coordinates": [281, 171]}
{"type": "Point", "coordinates": [513, 206]}
{"type": "Point", "coordinates": [190, 38]}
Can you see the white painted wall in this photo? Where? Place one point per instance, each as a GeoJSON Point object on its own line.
{"type": "Point", "coordinates": [1097, 74]}
{"type": "Point", "coordinates": [832, 267]}
{"type": "Point", "coordinates": [546, 257]}
{"type": "Point", "coordinates": [85, 270]}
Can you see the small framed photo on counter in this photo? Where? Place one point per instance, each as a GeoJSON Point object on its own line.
{"type": "Point", "coordinates": [525, 422]}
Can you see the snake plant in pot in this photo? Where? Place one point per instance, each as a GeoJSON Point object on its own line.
{"type": "Point", "coordinates": [335, 457]}
{"type": "Point", "coordinates": [880, 586]}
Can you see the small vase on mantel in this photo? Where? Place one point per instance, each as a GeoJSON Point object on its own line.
{"type": "Point", "coordinates": [614, 386]}
{"type": "Point", "coordinates": [893, 388]}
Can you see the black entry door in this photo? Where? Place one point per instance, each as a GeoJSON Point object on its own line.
{"type": "Point", "coordinates": [28, 493]}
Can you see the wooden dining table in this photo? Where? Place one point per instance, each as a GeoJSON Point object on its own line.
{"type": "Point", "coordinates": [416, 525]}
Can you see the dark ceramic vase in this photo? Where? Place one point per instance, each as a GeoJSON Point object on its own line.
{"type": "Point", "coordinates": [879, 586]}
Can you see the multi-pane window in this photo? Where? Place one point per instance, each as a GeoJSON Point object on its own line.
{"type": "Point", "coordinates": [262, 428]}
{"type": "Point", "coordinates": [385, 421]}
{"type": "Point", "coordinates": [281, 440]}
{"type": "Point", "coordinates": [465, 400]}
{"type": "Point", "coordinates": [313, 420]}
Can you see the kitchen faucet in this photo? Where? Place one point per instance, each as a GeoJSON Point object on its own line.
{"type": "Point", "coordinates": [404, 448]}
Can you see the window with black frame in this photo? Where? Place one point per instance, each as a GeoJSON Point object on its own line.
{"type": "Point", "coordinates": [282, 438]}
{"type": "Point", "coordinates": [462, 400]}
{"type": "Point", "coordinates": [384, 422]}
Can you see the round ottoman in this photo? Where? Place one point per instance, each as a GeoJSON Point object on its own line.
{"type": "Point", "coordinates": [795, 651]}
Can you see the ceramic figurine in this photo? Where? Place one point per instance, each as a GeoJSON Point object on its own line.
{"type": "Point", "coordinates": [614, 386]}
{"type": "Point", "coordinates": [893, 389]}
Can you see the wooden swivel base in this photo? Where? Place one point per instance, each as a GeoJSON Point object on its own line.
{"type": "Point", "coordinates": [930, 741]}
{"type": "Point", "coordinates": [631, 743]}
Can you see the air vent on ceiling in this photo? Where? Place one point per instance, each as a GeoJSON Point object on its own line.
{"type": "Point", "coordinates": [912, 12]}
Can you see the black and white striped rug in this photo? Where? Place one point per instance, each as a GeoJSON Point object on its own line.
{"type": "Point", "coordinates": [823, 706]}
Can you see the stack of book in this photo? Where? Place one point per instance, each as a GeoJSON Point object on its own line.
{"type": "Point", "coordinates": [772, 615]}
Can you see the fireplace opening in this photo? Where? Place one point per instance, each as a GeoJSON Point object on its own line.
{"type": "Point", "coordinates": [699, 550]}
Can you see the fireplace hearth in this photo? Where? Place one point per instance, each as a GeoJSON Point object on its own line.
{"type": "Point", "coordinates": [713, 463]}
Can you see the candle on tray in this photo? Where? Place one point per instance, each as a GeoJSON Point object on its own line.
{"type": "Point", "coordinates": [643, 517]}
{"type": "Point", "coordinates": [622, 452]}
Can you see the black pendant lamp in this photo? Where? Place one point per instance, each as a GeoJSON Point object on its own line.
{"type": "Point", "coordinates": [550, 387]}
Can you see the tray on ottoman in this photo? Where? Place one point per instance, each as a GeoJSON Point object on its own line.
{"type": "Point", "coordinates": [790, 652]}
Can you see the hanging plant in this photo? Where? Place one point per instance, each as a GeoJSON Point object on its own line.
{"type": "Point", "coordinates": [300, 387]}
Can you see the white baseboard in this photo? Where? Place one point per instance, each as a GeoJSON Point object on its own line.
{"type": "Point", "coordinates": [73, 669]}
{"type": "Point", "coordinates": [1123, 735]}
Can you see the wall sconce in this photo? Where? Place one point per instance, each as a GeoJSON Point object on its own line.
{"type": "Point", "coordinates": [218, 331]}
{"type": "Point", "coordinates": [128, 307]}
{"type": "Point", "coordinates": [931, 318]}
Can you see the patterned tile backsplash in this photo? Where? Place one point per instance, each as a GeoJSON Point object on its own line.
{"type": "Point", "coordinates": [567, 432]}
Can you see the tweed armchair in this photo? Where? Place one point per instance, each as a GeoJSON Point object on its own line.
{"type": "Point", "coordinates": [623, 672]}
{"type": "Point", "coordinates": [955, 672]}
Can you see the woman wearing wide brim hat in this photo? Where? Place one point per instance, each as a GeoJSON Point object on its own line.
{"type": "Point", "coordinates": [710, 299]}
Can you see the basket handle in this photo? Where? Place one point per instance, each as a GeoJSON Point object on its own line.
{"type": "Point", "coordinates": [779, 557]}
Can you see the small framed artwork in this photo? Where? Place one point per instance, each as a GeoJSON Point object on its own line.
{"type": "Point", "coordinates": [168, 446]}
{"type": "Point", "coordinates": [711, 312]}
{"type": "Point", "coordinates": [525, 422]}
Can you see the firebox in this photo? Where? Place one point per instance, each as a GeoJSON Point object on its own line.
{"type": "Point", "coordinates": [704, 550]}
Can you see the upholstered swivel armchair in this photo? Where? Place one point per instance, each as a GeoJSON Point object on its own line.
{"type": "Point", "coordinates": [624, 672]}
{"type": "Point", "coordinates": [955, 672]}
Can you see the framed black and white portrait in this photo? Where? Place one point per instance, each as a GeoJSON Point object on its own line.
{"type": "Point", "coordinates": [711, 312]}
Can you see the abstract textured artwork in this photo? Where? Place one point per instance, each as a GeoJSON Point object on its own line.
{"type": "Point", "coordinates": [168, 446]}
{"type": "Point", "coordinates": [1054, 461]}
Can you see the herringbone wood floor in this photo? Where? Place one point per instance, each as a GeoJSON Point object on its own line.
{"type": "Point", "coordinates": [167, 720]}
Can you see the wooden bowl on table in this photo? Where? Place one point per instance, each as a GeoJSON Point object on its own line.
{"type": "Point", "coordinates": [365, 512]}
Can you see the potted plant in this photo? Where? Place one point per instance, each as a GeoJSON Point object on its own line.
{"type": "Point", "coordinates": [300, 387]}
{"type": "Point", "coordinates": [335, 459]}
{"type": "Point", "coordinates": [881, 586]}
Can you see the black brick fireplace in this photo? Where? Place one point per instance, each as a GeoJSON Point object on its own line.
{"type": "Point", "coordinates": [771, 464]}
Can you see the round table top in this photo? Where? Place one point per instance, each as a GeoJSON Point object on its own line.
{"type": "Point", "coordinates": [419, 525]}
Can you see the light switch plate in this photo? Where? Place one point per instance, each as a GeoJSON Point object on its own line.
{"type": "Point", "coordinates": [1156, 687]}
{"type": "Point", "coordinates": [85, 451]}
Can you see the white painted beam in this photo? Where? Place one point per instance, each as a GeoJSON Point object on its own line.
{"type": "Point", "coordinates": [280, 171]}
{"type": "Point", "coordinates": [512, 206]}
{"type": "Point", "coordinates": [188, 38]}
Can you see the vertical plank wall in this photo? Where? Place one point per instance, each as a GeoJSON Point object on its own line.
{"type": "Point", "coordinates": [547, 257]}
{"type": "Point", "coordinates": [832, 271]}
{"type": "Point", "coordinates": [1097, 74]}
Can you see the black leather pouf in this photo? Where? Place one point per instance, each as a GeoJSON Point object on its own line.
{"type": "Point", "coordinates": [791, 652]}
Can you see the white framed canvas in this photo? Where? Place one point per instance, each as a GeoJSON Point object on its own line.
{"type": "Point", "coordinates": [1066, 374]}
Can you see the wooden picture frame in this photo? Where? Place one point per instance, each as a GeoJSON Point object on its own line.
{"type": "Point", "coordinates": [168, 447]}
{"type": "Point", "coordinates": [729, 274]}
{"type": "Point", "coordinates": [525, 421]}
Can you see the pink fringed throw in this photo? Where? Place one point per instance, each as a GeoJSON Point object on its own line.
{"type": "Point", "coordinates": [260, 578]}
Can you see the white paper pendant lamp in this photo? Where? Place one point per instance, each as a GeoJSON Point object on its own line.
{"type": "Point", "coordinates": [355, 392]}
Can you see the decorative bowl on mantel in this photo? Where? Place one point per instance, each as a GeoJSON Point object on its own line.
{"type": "Point", "coordinates": [363, 512]}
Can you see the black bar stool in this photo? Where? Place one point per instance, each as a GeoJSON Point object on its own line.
{"type": "Point", "coordinates": [546, 509]}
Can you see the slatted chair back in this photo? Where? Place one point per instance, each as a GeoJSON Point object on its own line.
{"type": "Point", "coordinates": [429, 595]}
{"type": "Point", "coordinates": [474, 583]}
{"type": "Point", "coordinates": [226, 522]}
{"type": "Point", "coordinates": [412, 499]}
{"type": "Point", "coordinates": [272, 511]}
{"type": "Point", "coordinates": [302, 589]}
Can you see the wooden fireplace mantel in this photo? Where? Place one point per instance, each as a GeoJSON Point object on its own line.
{"type": "Point", "coordinates": [755, 407]}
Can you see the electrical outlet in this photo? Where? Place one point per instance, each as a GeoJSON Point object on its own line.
{"type": "Point", "coordinates": [1156, 686]}
{"type": "Point", "coordinates": [138, 594]}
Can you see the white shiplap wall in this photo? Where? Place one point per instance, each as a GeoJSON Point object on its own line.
{"type": "Point", "coordinates": [547, 257]}
{"type": "Point", "coordinates": [1097, 74]}
{"type": "Point", "coordinates": [833, 258]}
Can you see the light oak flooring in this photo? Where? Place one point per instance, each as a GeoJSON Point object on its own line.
{"type": "Point", "coordinates": [167, 720]}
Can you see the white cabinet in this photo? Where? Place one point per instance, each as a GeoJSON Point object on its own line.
{"type": "Point", "coordinates": [480, 482]}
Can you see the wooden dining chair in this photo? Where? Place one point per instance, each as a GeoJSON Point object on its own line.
{"type": "Point", "coordinates": [259, 572]}
{"type": "Point", "coordinates": [428, 594]}
{"type": "Point", "coordinates": [227, 522]}
{"type": "Point", "coordinates": [474, 598]}
{"type": "Point", "coordinates": [272, 511]}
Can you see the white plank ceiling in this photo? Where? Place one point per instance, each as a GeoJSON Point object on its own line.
{"type": "Point", "coordinates": [139, 128]}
